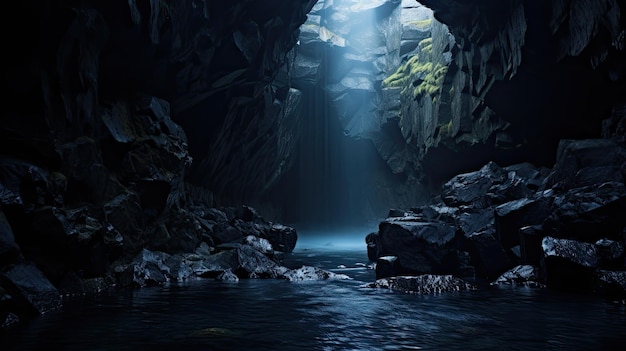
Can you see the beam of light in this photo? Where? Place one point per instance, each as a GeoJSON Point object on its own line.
{"type": "Point", "coordinates": [346, 49]}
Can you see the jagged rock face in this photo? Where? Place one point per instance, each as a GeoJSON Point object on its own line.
{"type": "Point", "coordinates": [523, 75]}
{"type": "Point", "coordinates": [95, 154]}
{"type": "Point", "coordinates": [222, 66]}
{"type": "Point", "coordinates": [470, 81]}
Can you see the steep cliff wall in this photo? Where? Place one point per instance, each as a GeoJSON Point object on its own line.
{"type": "Point", "coordinates": [522, 76]}
{"type": "Point", "coordinates": [125, 125]}
{"type": "Point", "coordinates": [223, 68]}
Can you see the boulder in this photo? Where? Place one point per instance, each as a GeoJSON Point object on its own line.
{"type": "Point", "coordinates": [282, 237]}
{"type": "Point", "coordinates": [306, 273]}
{"type": "Point", "coordinates": [421, 247]}
{"type": "Point", "coordinates": [374, 248]}
{"type": "Point", "coordinates": [472, 220]}
{"type": "Point", "coordinates": [471, 188]}
{"type": "Point", "coordinates": [423, 284]}
{"type": "Point", "coordinates": [227, 276]}
{"type": "Point", "coordinates": [260, 244]}
{"type": "Point", "coordinates": [387, 266]}
{"type": "Point", "coordinates": [569, 264]}
{"type": "Point", "coordinates": [589, 213]}
{"type": "Point", "coordinates": [32, 291]}
{"type": "Point", "coordinates": [148, 268]}
{"type": "Point", "coordinates": [527, 275]}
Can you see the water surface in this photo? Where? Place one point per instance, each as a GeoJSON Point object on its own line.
{"type": "Point", "coordinates": [325, 315]}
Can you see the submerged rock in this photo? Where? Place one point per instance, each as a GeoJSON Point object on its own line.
{"type": "Point", "coordinates": [305, 273]}
{"type": "Point", "coordinates": [423, 284]}
{"type": "Point", "coordinates": [30, 289]}
{"type": "Point", "coordinates": [520, 275]}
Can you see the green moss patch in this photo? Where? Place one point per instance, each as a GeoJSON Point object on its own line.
{"type": "Point", "coordinates": [423, 24]}
{"type": "Point", "coordinates": [432, 82]}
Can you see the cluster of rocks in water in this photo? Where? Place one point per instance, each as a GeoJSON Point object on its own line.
{"type": "Point", "coordinates": [237, 244]}
{"type": "Point", "coordinates": [562, 228]}
{"type": "Point", "coordinates": [117, 212]}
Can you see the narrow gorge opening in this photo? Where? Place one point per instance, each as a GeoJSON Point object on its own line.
{"type": "Point", "coordinates": [352, 61]}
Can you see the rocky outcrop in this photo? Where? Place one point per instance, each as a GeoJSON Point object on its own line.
{"type": "Point", "coordinates": [496, 66]}
{"type": "Point", "coordinates": [222, 68]}
{"type": "Point", "coordinates": [101, 185]}
{"type": "Point", "coordinates": [519, 224]}
{"type": "Point", "coordinates": [239, 261]}
{"type": "Point", "coordinates": [423, 284]}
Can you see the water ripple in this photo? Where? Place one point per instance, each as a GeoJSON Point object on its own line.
{"type": "Point", "coordinates": [327, 315]}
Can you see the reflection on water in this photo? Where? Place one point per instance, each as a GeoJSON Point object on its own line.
{"type": "Point", "coordinates": [327, 315]}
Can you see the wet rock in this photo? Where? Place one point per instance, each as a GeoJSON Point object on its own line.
{"type": "Point", "coordinates": [387, 266]}
{"type": "Point", "coordinates": [421, 247]}
{"type": "Point", "coordinates": [260, 244]}
{"type": "Point", "coordinates": [514, 187]}
{"type": "Point", "coordinates": [580, 253]}
{"type": "Point", "coordinates": [466, 268]}
{"type": "Point", "coordinates": [227, 276]}
{"type": "Point", "coordinates": [589, 213]}
{"type": "Point", "coordinates": [96, 285]}
{"type": "Point", "coordinates": [472, 220]}
{"type": "Point", "coordinates": [423, 284]}
{"type": "Point", "coordinates": [252, 263]}
{"type": "Point", "coordinates": [283, 238]}
{"type": "Point", "coordinates": [438, 212]}
{"type": "Point", "coordinates": [148, 268]}
{"type": "Point", "coordinates": [521, 275]}
{"type": "Point", "coordinates": [471, 188]}
{"type": "Point", "coordinates": [374, 249]}
{"type": "Point", "coordinates": [32, 291]}
{"type": "Point", "coordinates": [179, 230]}
{"type": "Point", "coordinates": [568, 264]}
{"type": "Point", "coordinates": [211, 266]}
{"type": "Point", "coordinates": [306, 273]}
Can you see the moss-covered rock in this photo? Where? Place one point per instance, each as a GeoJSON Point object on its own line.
{"type": "Point", "coordinates": [425, 77]}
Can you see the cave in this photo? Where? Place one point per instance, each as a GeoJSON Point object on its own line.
{"type": "Point", "coordinates": [313, 174]}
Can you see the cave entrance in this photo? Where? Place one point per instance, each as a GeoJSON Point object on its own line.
{"type": "Point", "coordinates": [353, 61]}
